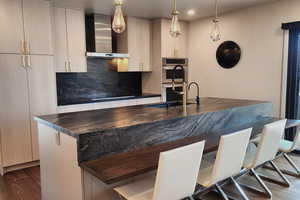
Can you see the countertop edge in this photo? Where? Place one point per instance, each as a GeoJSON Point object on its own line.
{"type": "Point", "coordinates": [77, 135]}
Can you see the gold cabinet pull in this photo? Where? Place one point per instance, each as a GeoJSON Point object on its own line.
{"type": "Point", "coordinates": [23, 50]}
{"type": "Point", "coordinates": [66, 67]}
{"type": "Point", "coordinates": [69, 65]}
{"type": "Point", "coordinates": [27, 47]}
{"type": "Point", "coordinates": [23, 61]}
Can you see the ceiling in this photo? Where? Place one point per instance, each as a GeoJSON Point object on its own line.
{"type": "Point", "coordinates": [160, 8]}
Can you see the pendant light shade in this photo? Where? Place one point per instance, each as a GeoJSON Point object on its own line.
{"type": "Point", "coordinates": [118, 24]}
{"type": "Point", "coordinates": [215, 34]}
{"type": "Point", "coordinates": [175, 29]}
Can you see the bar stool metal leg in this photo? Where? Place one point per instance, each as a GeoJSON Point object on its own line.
{"type": "Point", "coordinates": [286, 181]}
{"type": "Point", "coordinates": [238, 187]}
{"type": "Point", "coordinates": [221, 192]}
{"type": "Point", "coordinates": [292, 163]}
{"type": "Point", "coordinates": [266, 191]}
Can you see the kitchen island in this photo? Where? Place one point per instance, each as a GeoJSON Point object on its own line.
{"type": "Point", "coordinates": [85, 154]}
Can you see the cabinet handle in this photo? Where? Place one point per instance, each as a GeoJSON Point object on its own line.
{"type": "Point", "coordinates": [66, 67]}
{"type": "Point", "coordinates": [23, 61]}
{"type": "Point", "coordinates": [28, 60]}
{"type": "Point", "coordinates": [23, 48]}
{"type": "Point", "coordinates": [69, 65]}
{"type": "Point", "coordinates": [27, 48]}
{"type": "Point", "coordinates": [141, 66]}
{"type": "Point", "coordinates": [57, 138]}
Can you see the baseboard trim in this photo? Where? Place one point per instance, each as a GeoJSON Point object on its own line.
{"type": "Point", "coordinates": [4, 170]}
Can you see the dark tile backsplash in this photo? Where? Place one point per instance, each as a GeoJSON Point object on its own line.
{"type": "Point", "coordinates": [98, 83]}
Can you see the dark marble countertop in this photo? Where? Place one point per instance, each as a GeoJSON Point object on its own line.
{"type": "Point", "coordinates": [75, 101]}
{"type": "Point", "coordinates": [85, 122]}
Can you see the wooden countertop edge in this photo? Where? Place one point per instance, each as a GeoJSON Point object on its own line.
{"type": "Point", "coordinates": [176, 144]}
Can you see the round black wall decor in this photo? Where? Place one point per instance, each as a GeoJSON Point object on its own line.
{"type": "Point", "coordinates": [228, 54]}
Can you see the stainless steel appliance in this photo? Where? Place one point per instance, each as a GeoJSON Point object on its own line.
{"type": "Point", "coordinates": [180, 74]}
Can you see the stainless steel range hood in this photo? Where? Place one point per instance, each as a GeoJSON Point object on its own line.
{"type": "Point", "coordinates": [99, 37]}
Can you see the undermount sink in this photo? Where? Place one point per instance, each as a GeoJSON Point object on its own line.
{"type": "Point", "coordinates": [168, 104]}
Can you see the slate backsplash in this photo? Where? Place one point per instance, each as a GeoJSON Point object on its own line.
{"type": "Point", "coordinates": [99, 83]}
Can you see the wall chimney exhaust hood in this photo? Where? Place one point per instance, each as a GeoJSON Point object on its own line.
{"type": "Point", "coordinates": [101, 42]}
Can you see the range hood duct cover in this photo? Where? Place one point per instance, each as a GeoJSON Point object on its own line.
{"type": "Point", "coordinates": [99, 37]}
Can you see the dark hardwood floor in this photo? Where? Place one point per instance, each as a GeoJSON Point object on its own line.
{"type": "Point", "coordinates": [21, 185]}
{"type": "Point", "coordinates": [25, 185]}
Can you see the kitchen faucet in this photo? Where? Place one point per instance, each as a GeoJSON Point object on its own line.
{"type": "Point", "coordinates": [184, 87]}
{"type": "Point", "coordinates": [198, 91]}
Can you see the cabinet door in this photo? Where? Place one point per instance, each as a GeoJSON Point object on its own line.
{"type": "Point", "coordinates": [60, 40]}
{"type": "Point", "coordinates": [14, 115]}
{"type": "Point", "coordinates": [182, 41]}
{"type": "Point", "coordinates": [145, 58]}
{"type": "Point", "coordinates": [11, 34]}
{"type": "Point", "coordinates": [168, 42]}
{"type": "Point", "coordinates": [174, 47]}
{"type": "Point", "coordinates": [134, 41]}
{"type": "Point", "coordinates": [37, 23]}
{"type": "Point", "coordinates": [76, 40]}
{"type": "Point", "coordinates": [61, 177]}
{"type": "Point", "coordinates": [41, 81]}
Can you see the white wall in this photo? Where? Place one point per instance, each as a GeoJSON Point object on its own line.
{"type": "Point", "coordinates": [258, 31]}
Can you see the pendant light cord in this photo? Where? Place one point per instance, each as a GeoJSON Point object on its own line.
{"type": "Point", "coordinates": [216, 9]}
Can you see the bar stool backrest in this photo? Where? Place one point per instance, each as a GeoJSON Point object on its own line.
{"type": "Point", "coordinates": [177, 172]}
{"type": "Point", "coordinates": [269, 142]}
{"type": "Point", "coordinates": [231, 154]}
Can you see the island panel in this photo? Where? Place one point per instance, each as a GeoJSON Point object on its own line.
{"type": "Point", "coordinates": [207, 125]}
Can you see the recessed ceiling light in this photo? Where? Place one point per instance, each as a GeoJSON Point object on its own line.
{"type": "Point", "coordinates": [191, 12]}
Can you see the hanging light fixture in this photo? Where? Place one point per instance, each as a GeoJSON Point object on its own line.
{"type": "Point", "coordinates": [215, 33]}
{"type": "Point", "coordinates": [175, 30]}
{"type": "Point", "coordinates": [118, 24]}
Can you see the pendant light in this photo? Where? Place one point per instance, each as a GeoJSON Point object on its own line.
{"type": "Point", "coordinates": [175, 30]}
{"type": "Point", "coordinates": [118, 24]}
{"type": "Point", "coordinates": [215, 33]}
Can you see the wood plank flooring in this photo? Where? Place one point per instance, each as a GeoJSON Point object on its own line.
{"type": "Point", "coordinates": [21, 185]}
{"type": "Point", "coordinates": [25, 185]}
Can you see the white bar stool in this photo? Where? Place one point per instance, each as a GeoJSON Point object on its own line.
{"type": "Point", "coordinates": [268, 145]}
{"type": "Point", "coordinates": [287, 147]}
{"type": "Point", "coordinates": [176, 176]}
{"type": "Point", "coordinates": [228, 163]}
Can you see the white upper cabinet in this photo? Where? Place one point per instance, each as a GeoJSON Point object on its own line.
{"type": "Point", "coordinates": [76, 40]}
{"type": "Point", "coordinates": [37, 23]}
{"type": "Point", "coordinates": [25, 24]}
{"type": "Point", "coordinates": [60, 40]}
{"type": "Point", "coordinates": [136, 41]}
{"type": "Point", "coordinates": [173, 47]}
{"type": "Point", "coordinates": [70, 46]}
{"type": "Point", "coordinates": [11, 23]}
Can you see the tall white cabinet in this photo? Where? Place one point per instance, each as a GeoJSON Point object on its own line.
{"type": "Point", "coordinates": [27, 77]}
{"type": "Point", "coordinates": [173, 47]}
{"type": "Point", "coordinates": [70, 46]}
{"type": "Point", "coordinates": [137, 42]}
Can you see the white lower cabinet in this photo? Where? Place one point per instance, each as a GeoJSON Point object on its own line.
{"type": "Point", "coordinates": [24, 93]}
{"type": "Point", "coordinates": [14, 115]}
{"type": "Point", "coordinates": [41, 84]}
